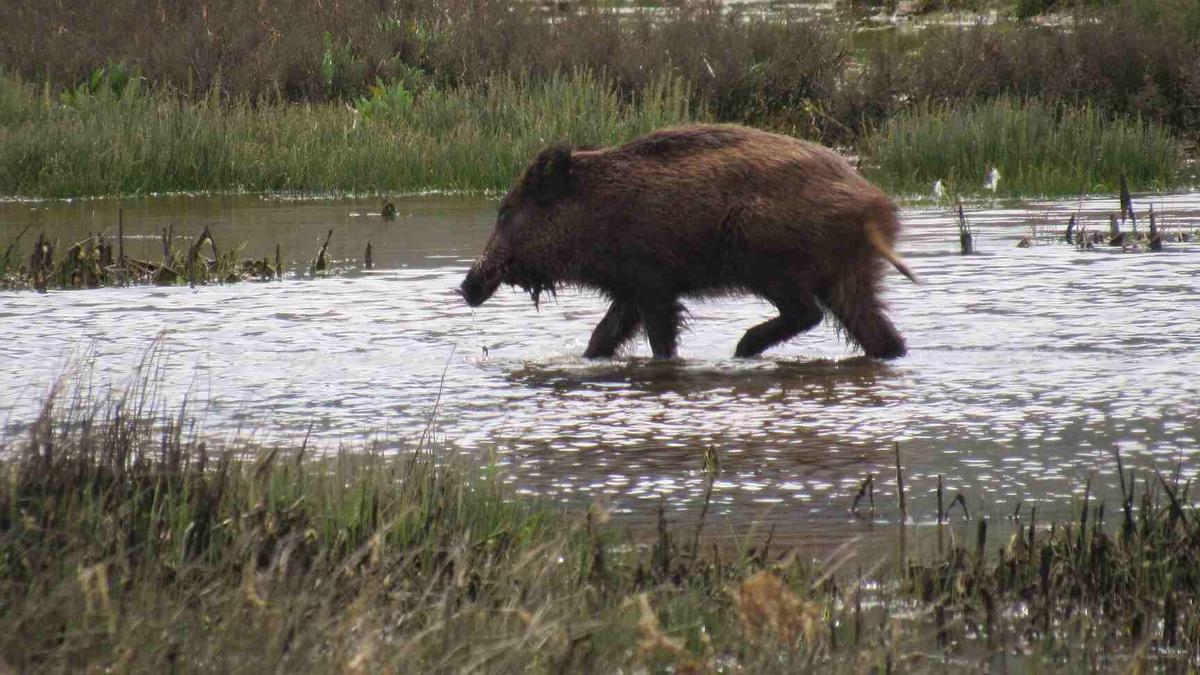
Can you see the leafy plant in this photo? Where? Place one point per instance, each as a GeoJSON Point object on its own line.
{"type": "Point", "coordinates": [385, 101]}
{"type": "Point", "coordinates": [340, 70]}
{"type": "Point", "coordinates": [114, 79]}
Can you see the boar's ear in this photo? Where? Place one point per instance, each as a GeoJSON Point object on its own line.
{"type": "Point", "coordinates": [549, 176]}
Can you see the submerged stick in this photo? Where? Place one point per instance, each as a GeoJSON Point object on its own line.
{"type": "Point", "coordinates": [367, 262]}
{"type": "Point", "coordinates": [866, 487]}
{"type": "Point", "coordinates": [981, 538]}
{"type": "Point", "coordinates": [121, 245]}
{"type": "Point", "coordinates": [1032, 530]}
{"type": "Point", "coordinates": [278, 264]}
{"type": "Point", "coordinates": [966, 238]}
{"type": "Point", "coordinates": [40, 262]}
{"type": "Point", "coordinates": [1127, 204]}
{"type": "Point", "coordinates": [194, 253]}
{"type": "Point", "coordinates": [900, 483]}
{"type": "Point", "coordinates": [1156, 242]}
{"type": "Point", "coordinates": [940, 494]}
{"type": "Point", "coordinates": [321, 261]}
{"type": "Point", "coordinates": [166, 245]}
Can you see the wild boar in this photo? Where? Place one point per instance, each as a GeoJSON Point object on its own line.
{"type": "Point", "coordinates": [695, 212]}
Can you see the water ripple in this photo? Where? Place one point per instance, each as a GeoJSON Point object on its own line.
{"type": "Point", "coordinates": [1027, 365]}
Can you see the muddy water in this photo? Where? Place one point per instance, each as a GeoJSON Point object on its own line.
{"type": "Point", "coordinates": [1027, 364]}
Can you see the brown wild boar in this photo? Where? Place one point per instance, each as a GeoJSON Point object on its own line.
{"type": "Point", "coordinates": [699, 211]}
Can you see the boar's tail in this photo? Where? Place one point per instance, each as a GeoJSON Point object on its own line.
{"type": "Point", "coordinates": [881, 245]}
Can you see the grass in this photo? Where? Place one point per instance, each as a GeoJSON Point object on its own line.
{"type": "Point", "coordinates": [138, 96]}
{"type": "Point", "coordinates": [130, 141]}
{"type": "Point", "coordinates": [131, 541]}
{"type": "Point", "coordinates": [106, 139]}
{"type": "Point", "coordinates": [1038, 149]}
{"type": "Point", "coordinates": [783, 69]}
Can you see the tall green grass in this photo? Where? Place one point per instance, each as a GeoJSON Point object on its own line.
{"type": "Point", "coordinates": [131, 141]}
{"type": "Point", "coordinates": [110, 137]}
{"type": "Point", "coordinates": [1038, 149]}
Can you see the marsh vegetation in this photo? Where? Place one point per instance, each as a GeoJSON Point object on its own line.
{"type": "Point", "coordinates": [361, 96]}
{"type": "Point", "coordinates": [129, 541]}
{"type": "Point", "coordinates": [135, 142]}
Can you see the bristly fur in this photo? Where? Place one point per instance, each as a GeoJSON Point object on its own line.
{"type": "Point", "coordinates": [700, 211]}
{"type": "Point", "coordinates": [531, 282]}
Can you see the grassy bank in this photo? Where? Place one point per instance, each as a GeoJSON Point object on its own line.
{"type": "Point", "coordinates": [135, 96]}
{"type": "Point", "coordinates": [118, 138]}
{"type": "Point", "coordinates": [130, 543]}
{"type": "Point", "coordinates": [126, 140]}
{"type": "Point", "coordinates": [1037, 149]}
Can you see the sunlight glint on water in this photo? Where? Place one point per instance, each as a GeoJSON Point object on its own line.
{"type": "Point", "coordinates": [1027, 365]}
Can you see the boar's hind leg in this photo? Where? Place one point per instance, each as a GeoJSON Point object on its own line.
{"type": "Point", "coordinates": [863, 318]}
{"type": "Point", "coordinates": [614, 330]}
{"type": "Point", "coordinates": [662, 326]}
{"type": "Point", "coordinates": [789, 323]}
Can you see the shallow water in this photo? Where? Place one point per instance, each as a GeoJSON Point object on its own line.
{"type": "Point", "coordinates": [1026, 365]}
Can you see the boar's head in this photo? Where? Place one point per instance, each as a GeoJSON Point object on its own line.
{"type": "Point", "coordinates": [522, 250]}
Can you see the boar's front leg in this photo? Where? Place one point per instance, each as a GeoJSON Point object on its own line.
{"type": "Point", "coordinates": [662, 326]}
{"type": "Point", "coordinates": [618, 325]}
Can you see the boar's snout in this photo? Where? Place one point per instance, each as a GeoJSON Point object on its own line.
{"type": "Point", "coordinates": [479, 285]}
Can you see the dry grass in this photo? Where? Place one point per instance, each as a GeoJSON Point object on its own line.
{"type": "Point", "coordinates": [128, 542]}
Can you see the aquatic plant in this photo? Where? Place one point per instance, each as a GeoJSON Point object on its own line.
{"type": "Point", "coordinates": [385, 100]}
{"type": "Point", "coordinates": [99, 261]}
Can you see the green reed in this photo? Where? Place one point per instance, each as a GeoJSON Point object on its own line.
{"type": "Point", "coordinates": [108, 140]}
{"type": "Point", "coordinates": [471, 138]}
{"type": "Point", "coordinates": [1038, 150]}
